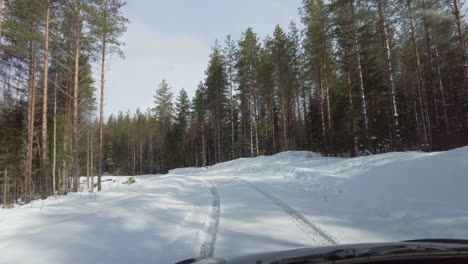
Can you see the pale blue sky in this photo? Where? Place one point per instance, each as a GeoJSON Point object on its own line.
{"type": "Point", "coordinates": [172, 39]}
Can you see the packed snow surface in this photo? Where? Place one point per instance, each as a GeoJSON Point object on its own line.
{"type": "Point", "coordinates": [289, 200]}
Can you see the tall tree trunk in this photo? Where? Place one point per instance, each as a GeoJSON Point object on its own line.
{"type": "Point", "coordinates": [231, 106]}
{"type": "Point", "coordinates": [272, 114]}
{"type": "Point", "coordinates": [256, 126]}
{"type": "Point", "coordinates": [461, 39]}
{"type": "Point", "coordinates": [322, 110]}
{"type": "Point", "coordinates": [442, 92]}
{"type": "Point", "coordinates": [151, 151]}
{"type": "Point", "coordinates": [44, 106]}
{"type": "Point", "coordinates": [203, 152]}
{"type": "Point", "coordinates": [54, 157]}
{"type": "Point", "coordinates": [352, 121]}
{"type": "Point", "coordinates": [1, 19]}
{"type": "Point", "coordinates": [284, 120]}
{"type": "Point", "coordinates": [92, 165]}
{"type": "Point", "coordinates": [75, 163]}
{"type": "Point", "coordinates": [431, 64]}
{"type": "Point", "coordinates": [361, 79]}
{"type": "Point", "coordinates": [101, 113]}
{"type": "Point", "coordinates": [420, 83]}
{"type": "Point", "coordinates": [88, 155]}
{"type": "Point", "coordinates": [5, 188]}
{"type": "Point", "coordinates": [329, 109]}
{"type": "Point", "coordinates": [31, 113]}
{"type": "Point", "coordinates": [251, 124]}
{"type": "Point", "coordinates": [391, 83]}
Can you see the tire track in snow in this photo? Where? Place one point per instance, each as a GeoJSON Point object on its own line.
{"type": "Point", "coordinates": [310, 229]}
{"type": "Point", "coordinates": [207, 248]}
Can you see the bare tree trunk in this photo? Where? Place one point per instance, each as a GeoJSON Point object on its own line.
{"type": "Point", "coordinates": [31, 111]}
{"type": "Point", "coordinates": [388, 54]}
{"type": "Point", "coordinates": [101, 114]}
{"type": "Point", "coordinates": [329, 110]}
{"type": "Point", "coordinates": [231, 106]}
{"type": "Point", "coordinates": [361, 79]}
{"type": "Point", "coordinates": [251, 125]}
{"type": "Point", "coordinates": [54, 159]}
{"type": "Point", "coordinates": [256, 126]}
{"type": "Point", "coordinates": [75, 164]}
{"type": "Point", "coordinates": [304, 117]}
{"type": "Point", "coordinates": [151, 152]}
{"type": "Point", "coordinates": [431, 64]}
{"type": "Point", "coordinates": [352, 121]}
{"type": "Point", "coordinates": [284, 119]}
{"type": "Point", "coordinates": [321, 98]}
{"type": "Point", "coordinates": [442, 93]}
{"type": "Point", "coordinates": [134, 158]}
{"type": "Point", "coordinates": [203, 145]}
{"type": "Point", "coordinates": [141, 157]}
{"type": "Point", "coordinates": [87, 156]}
{"type": "Point", "coordinates": [461, 39]}
{"type": "Point", "coordinates": [1, 19]}
{"type": "Point", "coordinates": [272, 114]}
{"type": "Point", "coordinates": [44, 106]}
{"type": "Point", "coordinates": [420, 83]}
{"type": "Point", "coordinates": [5, 188]}
{"type": "Point", "coordinates": [92, 165]}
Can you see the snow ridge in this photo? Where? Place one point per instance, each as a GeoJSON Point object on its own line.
{"type": "Point", "coordinates": [315, 232]}
{"type": "Point", "coordinates": [207, 248]}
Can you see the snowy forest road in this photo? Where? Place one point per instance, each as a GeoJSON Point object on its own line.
{"type": "Point", "coordinates": [289, 200]}
{"type": "Point", "coordinates": [315, 232]}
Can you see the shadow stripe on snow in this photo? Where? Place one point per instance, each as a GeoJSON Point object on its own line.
{"type": "Point", "coordinates": [207, 248]}
{"type": "Point", "coordinates": [310, 229]}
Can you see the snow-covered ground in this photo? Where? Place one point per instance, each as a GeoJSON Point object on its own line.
{"type": "Point", "coordinates": [289, 200]}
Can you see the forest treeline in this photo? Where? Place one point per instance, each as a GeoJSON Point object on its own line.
{"type": "Point", "coordinates": [356, 77]}
{"type": "Point", "coordinates": [361, 77]}
{"type": "Point", "coordinates": [49, 52]}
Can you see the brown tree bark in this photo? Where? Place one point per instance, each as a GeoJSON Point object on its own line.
{"type": "Point", "coordinates": [1, 18]}
{"type": "Point", "coordinates": [5, 188]}
{"type": "Point", "coordinates": [31, 113]}
{"type": "Point", "coordinates": [203, 152]}
{"type": "Point", "coordinates": [44, 106]}
{"type": "Point", "coordinates": [101, 114]}
{"type": "Point", "coordinates": [442, 92]}
{"type": "Point", "coordinates": [389, 66]}
{"type": "Point", "coordinates": [420, 83]}
{"type": "Point", "coordinates": [54, 159]}
{"type": "Point", "coordinates": [321, 99]}
{"type": "Point", "coordinates": [329, 109]}
{"type": "Point", "coordinates": [461, 39]}
{"type": "Point", "coordinates": [75, 163]}
{"type": "Point", "coordinates": [430, 75]}
{"type": "Point", "coordinates": [361, 79]}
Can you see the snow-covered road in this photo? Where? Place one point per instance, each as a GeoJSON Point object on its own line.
{"type": "Point", "coordinates": [289, 200]}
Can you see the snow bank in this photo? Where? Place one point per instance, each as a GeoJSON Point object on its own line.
{"type": "Point", "coordinates": [385, 197]}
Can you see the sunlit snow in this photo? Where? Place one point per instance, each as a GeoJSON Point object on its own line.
{"type": "Point", "coordinates": [289, 200]}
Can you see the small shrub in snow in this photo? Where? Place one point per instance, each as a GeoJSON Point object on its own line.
{"type": "Point", "coordinates": [129, 181]}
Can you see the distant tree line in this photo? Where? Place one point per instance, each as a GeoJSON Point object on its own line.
{"type": "Point", "coordinates": [361, 77]}
{"type": "Point", "coordinates": [49, 135]}
{"type": "Point", "coordinates": [357, 77]}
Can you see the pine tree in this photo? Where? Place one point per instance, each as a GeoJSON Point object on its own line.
{"type": "Point", "coordinates": [216, 84]}
{"type": "Point", "coordinates": [108, 25]}
{"type": "Point", "coordinates": [247, 63]}
{"type": "Point", "coordinates": [164, 115]}
{"type": "Point", "coordinates": [182, 110]}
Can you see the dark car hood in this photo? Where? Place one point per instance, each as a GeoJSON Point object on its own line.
{"type": "Point", "coordinates": [301, 252]}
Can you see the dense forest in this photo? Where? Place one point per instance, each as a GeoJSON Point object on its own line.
{"type": "Point", "coordinates": [354, 78]}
